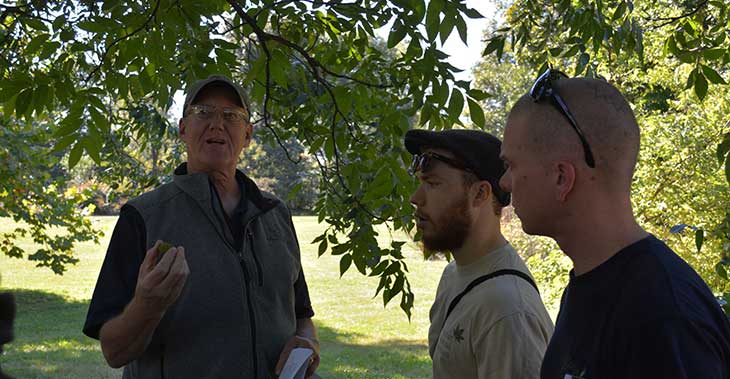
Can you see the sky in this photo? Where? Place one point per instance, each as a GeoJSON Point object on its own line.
{"type": "Point", "coordinates": [460, 56]}
{"type": "Point", "coordinates": [464, 56]}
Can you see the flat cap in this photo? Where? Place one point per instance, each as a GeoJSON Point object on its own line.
{"type": "Point", "coordinates": [478, 150]}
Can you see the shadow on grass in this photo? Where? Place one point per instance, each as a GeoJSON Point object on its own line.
{"type": "Point", "coordinates": [49, 344]}
{"type": "Point", "coordinates": [48, 340]}
{"type": "Point", "coordinates": [394, 358]}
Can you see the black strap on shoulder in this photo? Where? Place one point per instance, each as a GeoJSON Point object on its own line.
{"type": "Point", "coordinates": [482, 279]}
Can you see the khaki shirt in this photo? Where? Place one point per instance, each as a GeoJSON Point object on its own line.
{"type": "Point", "coordinates": [500, 329]}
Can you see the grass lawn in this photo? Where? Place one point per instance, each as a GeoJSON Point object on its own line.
{"type": "Point", "coordinates": [360, 338]}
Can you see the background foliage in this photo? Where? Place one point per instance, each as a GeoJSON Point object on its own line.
{"type": "Point", "coordinates": [85, 86]}
{"type": "Point", "coordinates": [670, 59]}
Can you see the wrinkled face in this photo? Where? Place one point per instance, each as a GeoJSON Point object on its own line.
{"type": "Point", "coordinates": [526, 177]}
{"type": "Point", "coordinates": [213, 143]}
{"type": "Point", "coordinates": [442, 206]}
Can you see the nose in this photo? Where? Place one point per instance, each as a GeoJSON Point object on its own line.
{"type": "Point", "coordinates": [217, 122]}
{"type": "Point", "coordinates": [417, 197]}
{"type": "Point", "coordinates": [505, 182]}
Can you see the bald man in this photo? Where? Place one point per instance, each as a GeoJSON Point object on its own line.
{"type": "Point", "coordinates": [632, 308]}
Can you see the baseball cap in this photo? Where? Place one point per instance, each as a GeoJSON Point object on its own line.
{"type": "Point", "coordinates": [195, 88]}
{"type": "Point", "coordinates": [478, 150]}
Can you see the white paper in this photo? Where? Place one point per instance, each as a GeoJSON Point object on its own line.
{"type": "Point", "coordinates": [297, 364]}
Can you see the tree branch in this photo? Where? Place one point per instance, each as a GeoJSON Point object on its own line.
{"type": "Point", "coordinates": [669, 20]}
{"type": "Point", "coordinates": [119, 39]}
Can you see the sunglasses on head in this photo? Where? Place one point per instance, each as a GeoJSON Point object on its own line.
{"type": "Point", "coordinates": [543, 88]}
{"type": "Point", "coordinates": [424, 162]}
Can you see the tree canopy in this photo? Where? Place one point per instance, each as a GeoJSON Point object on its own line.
{"type": "Point", "coordinates": [82, 79]}
{"type": "Point", "coordinates": [96, 78]}
{"type": "Point", "coordinates": [671, 61]}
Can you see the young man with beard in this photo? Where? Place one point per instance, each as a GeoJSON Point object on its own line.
{"type": "Point", "coordinates": [487, 320]}
{"type": "Point", "coordinates": [632, 308]}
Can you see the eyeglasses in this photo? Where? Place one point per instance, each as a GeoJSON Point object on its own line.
{"type": "Point", "coordinates": [424, 162]}
{"type": "Point", "coordinates": [208, 112]}
{"type": "Point", "coordinates": [542, 88]}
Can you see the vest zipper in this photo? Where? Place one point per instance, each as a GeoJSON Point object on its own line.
{"type": "Point", "coordinates": [259, 270]}
{"type": "Point", "coordinates": [251, 314]}
{"type": "Point", "coordinates": [247, 287]}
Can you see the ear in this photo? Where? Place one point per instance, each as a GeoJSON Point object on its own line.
{"type": "Point", "coordinates": [181, 127]}
{"type": "Point", "coordinates": [483, 193]}
{"type": "Point", "coordinates": [247, 134]}
{"type": "Point", "coordinates": [564, 173]}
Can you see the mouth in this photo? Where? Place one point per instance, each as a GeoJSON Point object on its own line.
{"type": "Point", "coordinates": [215, 141]}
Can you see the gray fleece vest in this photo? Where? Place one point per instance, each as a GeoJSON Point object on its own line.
{"type": "Point", "coordinates": [236, 310]}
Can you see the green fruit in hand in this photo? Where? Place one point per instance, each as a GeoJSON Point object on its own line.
{"type": "Point", "coordinates": [164, 247]}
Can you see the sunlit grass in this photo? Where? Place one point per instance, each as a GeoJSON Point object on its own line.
{"type": "Point", "coordinates": [360, 338]}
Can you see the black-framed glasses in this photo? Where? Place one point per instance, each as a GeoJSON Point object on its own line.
{"type": "Point", "coordinates": [424, 162]}
{"type": "Point", "coordinates": [543, 88]}
{"type": "Point", "coordinates": [208, 112]}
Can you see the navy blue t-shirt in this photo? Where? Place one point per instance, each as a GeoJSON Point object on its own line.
{"type": "Point", "coordinates": [644, 313]}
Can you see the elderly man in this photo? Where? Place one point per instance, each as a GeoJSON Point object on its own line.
{"type": "Point", "coordinates": [632, 308]}
{"type": "Point", "coordinates": [229, 299]}
{"type": "Point", "coordinates": [487, 320]}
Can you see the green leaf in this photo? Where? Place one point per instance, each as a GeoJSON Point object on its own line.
{"type": "Point", "coordinates": [713, 54]}
{"type": "Point", "coordinates": [699, 239]}
{"type": "Point", "coordinates": [433, 19]}
{"type": "Point", "coordinates": [59, 22]}
{"type": "Point", "coordinates": [36, 43]}
{"type": "Point", "coordinates": [71, 122]}
{"type": "Point", "coordinates": [35, 24]}
{"type": "Point", "coordinates": [91, 26]}
{"type": "Point", "coordinates": [75, 155]}
{"type": "Point", "coordinates": [712, 75]}
{"type": "Point", "coordinates": [93, 149]}
{"type": "Point", "coordinates": [345, 263]}
{"type": "Point", "coordinates": [63, 143]}
{"type": "Point", "coordinates": [22, 104]}
{"type": "Point", "coordinates": [477, 94]}
{"type": "Point", "coordinates": [322, 248]}
{"type": "Point", "coordinates": [582, 62]}
{"type": "Point", "coordinates": [425, 114]}
{"type": "Point", "coordinates": [456, 104]}
{"type": "Point", "coordinates": [727, 169]}
{"type": "Point", "coordinates": [691, 79]}
{"type": "Point", "coordinates": [440, 92]}
{"type": "Point", "coordinates": [620, 11]}
{"type": "Point", "coordinates": [278, 67]}
{"type": "Point", "coordinates": [397, 33]}
{"type": "Point", "coordinates": [723, 148]}
{"type": "Point", "coordinates": [687, 56]}
{"type": "Point", "coordinates": [447, 26]}
{"type": "Point", "coordinates": [700, 86]}
{"type": "Point", "coordinates": [721, 271]}
{"type": "Point", "coordinates": [670, 46]}
{"type": "Point", "coordinates": [294, 191]}
{"type": "Point", "coordinates": [493, 45]}
{"type": "Point", "coordinates": [461, 28]}
{"type": "Point", "coordinates": [476, 113]}
{"type": "Point", "coordinates": [472, 13]}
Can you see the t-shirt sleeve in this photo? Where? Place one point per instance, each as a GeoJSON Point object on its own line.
{"type": "Point", "coordinates": [302, 304]}
{"type": "Point", "coordinates": [674, 348]}
{"type": "Point", "coordinates": [512, 347]}
{"type": "Point", "coordinates": [118, 276]}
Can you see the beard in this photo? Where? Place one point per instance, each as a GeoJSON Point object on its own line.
{"type": "Point", "coordinates": [450, 230]}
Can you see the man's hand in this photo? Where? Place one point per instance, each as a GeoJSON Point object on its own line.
{"type": "Point", "coordinates": [299, 341]}
{"type": "Point", "coordinates": [160, 283]}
